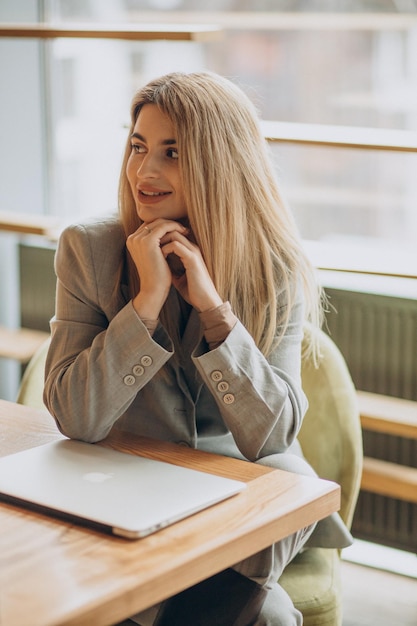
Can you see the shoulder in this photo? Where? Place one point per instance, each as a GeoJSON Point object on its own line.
{"type": "Point", "coordinates": [99, 237]}
{"type": "Point", "coordinates": [98, 243]}
{"type": "Point", "coordinates": [89, 262]}
{"type": "Point", "coordinates": [96, 231]}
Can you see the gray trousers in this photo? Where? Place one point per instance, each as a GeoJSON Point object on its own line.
{"type": "Point", "coordinates": [266, 566]}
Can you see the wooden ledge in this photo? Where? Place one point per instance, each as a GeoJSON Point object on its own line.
{"type": "Point", "coordinates": [389, 479]}
{"type": "Point", "coordinates": [20, 344]}
{"type": "Point", "coordinates": [30, 224]}
{"type": "Point", "coordinates": [131, 32]}
{"type": "Point", "coordinates": [396, 417]}
{"type": "Point", "coordinates": [385, 414]}
{"type": "Point", "coordinates": [324, 135]}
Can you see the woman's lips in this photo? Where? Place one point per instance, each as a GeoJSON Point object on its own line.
{"type": "Point", "coordinates": [151, 197]}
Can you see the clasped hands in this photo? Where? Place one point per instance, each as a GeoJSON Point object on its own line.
{"type": "Point", "coordinates": [165, 255]}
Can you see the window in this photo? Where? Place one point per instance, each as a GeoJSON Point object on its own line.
{"type": "Point", "coordinates": [327, 63]}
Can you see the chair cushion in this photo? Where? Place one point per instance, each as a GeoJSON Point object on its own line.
{"type": "Point", "coordinates": [313, 581]}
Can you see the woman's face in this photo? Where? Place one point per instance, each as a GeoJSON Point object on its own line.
{"type": "Point", "coordinates": [153, 169]}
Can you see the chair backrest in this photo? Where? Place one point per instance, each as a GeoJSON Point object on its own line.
{"type": "Point", "coordinates": [331, 436]}
{"type": "Point", "coordinates": [30, 390]}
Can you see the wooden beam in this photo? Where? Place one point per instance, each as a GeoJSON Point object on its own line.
{"type": "Point", "coordinates": [340, 136]}
{"type": "Point", "coordinates": [385, 414]}
{"type": "Point", "coordinates": [20, 344]}
{"type": "Point", "coordinates": [131, 32]}
{"type": "Point", "coordinates": [29, 224]}
{"type": "Point", "coordinates": [389, 479]}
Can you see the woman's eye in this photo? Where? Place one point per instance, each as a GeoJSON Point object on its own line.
{"type": "Point", "coordinates": [172, 153]}
{"type": "Point", "coordinates": [137, 148]}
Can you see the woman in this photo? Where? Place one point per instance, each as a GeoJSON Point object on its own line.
{"type": "Point", "coordinates": [183, 318]}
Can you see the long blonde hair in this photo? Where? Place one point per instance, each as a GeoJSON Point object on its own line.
{"type": "Point", "coordinates": [245, 232]}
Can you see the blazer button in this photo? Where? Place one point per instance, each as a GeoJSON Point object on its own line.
{"type": "Point", "coordinates": [146, 360]}
{"type": "Point", "coordinates": [129, 380]}
{"type": "Point", "coordinates": [138, 370]}
{"type": "Point", "coordinates": [216, 375]}
{"type": "Point", "coordinates": [223, 386]}
{"type": "Point", "coordinates": [228, 398]}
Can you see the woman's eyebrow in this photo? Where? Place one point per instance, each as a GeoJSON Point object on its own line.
{"type": "Point", "coordinates": [136, 136]}
{"type": "Point", "coordinates": [165, 142]}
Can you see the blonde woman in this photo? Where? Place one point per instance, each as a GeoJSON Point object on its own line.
{"type": "Point", "coordinates": [182, 318]}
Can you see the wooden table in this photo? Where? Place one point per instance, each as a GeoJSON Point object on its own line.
{"type": "Point", "coordinates": [54, 573]}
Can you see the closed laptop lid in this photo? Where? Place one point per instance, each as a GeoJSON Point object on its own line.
{"type": "Point", "coordinates": [129, 495]}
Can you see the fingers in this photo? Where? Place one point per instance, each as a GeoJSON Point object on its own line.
{"type": "Point", "coordinates": [151, 236]}
{"type": "Point", "coordinates": [143, 230]}
{"type": "Point", "coordinates": [147, 249]}
{"type": "Point", "coordinates": [161, 227]}
{"type": "Point", "coordinates": [176, 245]}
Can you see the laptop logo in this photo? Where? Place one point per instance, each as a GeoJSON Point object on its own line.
{"type": "Point", "coordinates": [97, 477]}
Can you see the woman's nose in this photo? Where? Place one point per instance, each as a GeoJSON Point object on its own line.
{"type": "Point", "coordinates": [149, 166]}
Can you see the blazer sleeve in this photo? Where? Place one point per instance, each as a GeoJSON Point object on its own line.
{"type": "Point", "coordinates": [101, 354]}
{"type": "Point", "coordinates": [260, 399]}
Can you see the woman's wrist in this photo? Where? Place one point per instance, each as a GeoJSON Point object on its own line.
{"type": "Point", "coordinates": [146, 307]}
{"type": "Point", "coordinates": [217, 323]}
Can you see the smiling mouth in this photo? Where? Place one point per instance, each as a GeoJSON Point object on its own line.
{"type": "Point", "coordinates": [153, 194]}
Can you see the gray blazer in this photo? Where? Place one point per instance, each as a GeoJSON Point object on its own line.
{"type": "Point", "coordinates": [105, 371]}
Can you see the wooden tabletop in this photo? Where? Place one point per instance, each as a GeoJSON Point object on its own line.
{"type": "Point", "coordinates": [56, 573]}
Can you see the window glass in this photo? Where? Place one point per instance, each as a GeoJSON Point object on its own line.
{"type": "Point", "coordinates": [349, 63]}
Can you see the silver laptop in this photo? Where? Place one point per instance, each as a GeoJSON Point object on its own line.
{"type": "Point", "coordinates": [125, 494]}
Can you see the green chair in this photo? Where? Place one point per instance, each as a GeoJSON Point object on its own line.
{"type": "Point", "coordinates": [331, 440]}
{"type": "Point", "coordinates": [31, 386]}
